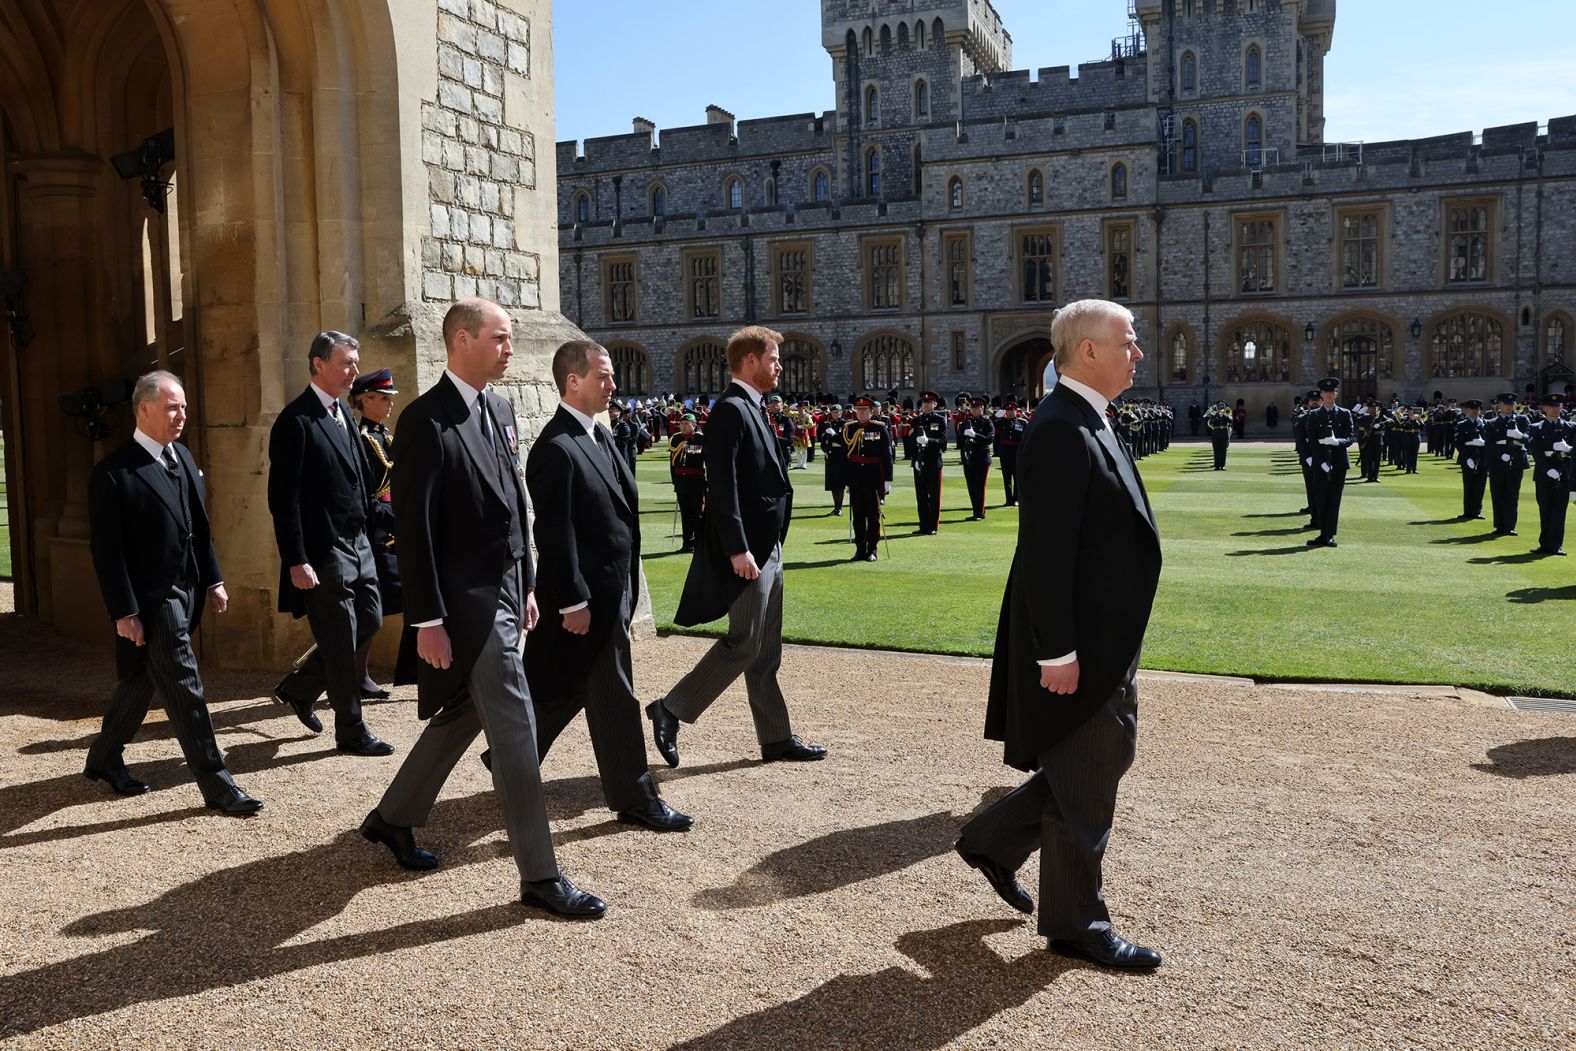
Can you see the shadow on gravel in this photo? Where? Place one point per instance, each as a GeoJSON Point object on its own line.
{"type": "Point", "coordinates": [1532, 596]}
{"type": "Point", "coordinates": [189, 950]}
{"type": "Point", "coordinates": [21, 805]}
{"type": "Point", "coordinates": [1543, 757]}
{"type": "Point", "coordinates": [841, 858]}
{"type": "Point", "coordinates": [965, 984]}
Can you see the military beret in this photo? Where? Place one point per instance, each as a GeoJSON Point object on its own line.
{"type": "Point", "coordinates": [837, 407]}
{"type": "Point", "coordinates": [775, 398]}
{"type": "Point", "coordinates": [690, 416]}
{"type": "Point", "coordinates": [379, 382]}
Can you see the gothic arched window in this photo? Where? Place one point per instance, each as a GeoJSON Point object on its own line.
{"type": "Point", "coordinates": [735, 193]}
{"type": "Point", "coordinates": [705, 368]}
{"type": "Point", "coordinates": [921, 100]}
{"type": "Point", "coordinates": [872, 105]}
{"type": "Point", "coordinates": [955, 194]}
{"type": "Point", "coordinates": [1189, 72]}
{"type": "Point", "coordinates": [1257, 350]}
{"type": "Point", "coordinates": [582, 207]}
{"type": "Point", "coordinates": [1190, 145]}
{"type": "Point", "coordinates": [1255, 66]}
{"type": "Point", "coordinates": [659, 200]}
{"type": "Point", "coordinates": [1118, 182]}
{"type": "Point", "coordinates": [1036, 187]}
{"type": "Point", "coordinates": [631, 368]}
{"type": "Point", "coordinates": [1253, 139]}
{"type": "Point", "coordinates": [873, 173]}
{"type": "Point", "coordinates": [1468, 344]}
{"type": "Point", "coordinates": [886, 363]}
{"type": "Point", "coordinates": [820, 186]}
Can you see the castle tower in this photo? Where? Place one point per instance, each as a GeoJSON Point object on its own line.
{"type": "Point", "coordinates": [897, 67]}
{"type": "Point", "coordinates": [1241, 80]}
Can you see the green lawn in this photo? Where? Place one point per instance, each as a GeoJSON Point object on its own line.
{"type": "Point", "coordinates": [1410, 595]}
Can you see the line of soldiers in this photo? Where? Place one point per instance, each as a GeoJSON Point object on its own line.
{"type": "Point", "coordinates": [1499, 450]}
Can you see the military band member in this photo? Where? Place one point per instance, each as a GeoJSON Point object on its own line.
{"type": "Point", "coordinates": [1552, 439]}
{"type": "Point", "coordinates": [1371, 427]}
{"type": "Point", "coordinates": [1471, 443]}
{"type": "Point", "coordinates": [1332, 433]}
{"type": "Point", "coordinates": [687, 468]}
{"type": "Point", "coordinates": [1410, 428]}
{"type": "Point", "coordinates": [1507, 434]}
{"type": "Point", "coordinates": [960, 416]}
{"type": "Point", "coordinates": [1009, 433]}
{"type": "Point", "coordinates": [372, 396]}
{"type": "Point", "coordinates": [930, 442]}
{"type": "Point", "coordinates": [975, 438]}
{"type": "Point", "coordinates": [870, 458]}
{"type": "Point", "coordinates": [1219, 421]}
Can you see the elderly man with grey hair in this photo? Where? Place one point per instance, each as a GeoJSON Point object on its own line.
{"type": "Point", "coordinates": [154, 557]}
{"type": "Point", "coordinates": [1063, 691]}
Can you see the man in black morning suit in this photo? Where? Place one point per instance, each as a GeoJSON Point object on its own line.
{"type": "Point", "coordinates": [154, 557]}
{"type": "Point", "coordinates": [465, 566]}
{"type": "Point", "coordinates": [588, 581]}
{"type": "Point", "coordinates": [320, 499]}
{"type": "Point", "coordinates": [738, 569]}
{"type": "Point", "coordinates": [1064, 680]}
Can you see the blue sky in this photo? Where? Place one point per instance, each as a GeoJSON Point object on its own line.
{"type": "Point", "coordinates": [1397, 69]}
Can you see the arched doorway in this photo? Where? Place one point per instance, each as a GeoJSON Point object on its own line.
{"type": "Point", "coordinates": [1022, 372]}
{"type": "Point", "coordinates": [1359, 349]}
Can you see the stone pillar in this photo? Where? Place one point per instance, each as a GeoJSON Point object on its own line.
{"type": "Point", "coordinates": [60, 253]}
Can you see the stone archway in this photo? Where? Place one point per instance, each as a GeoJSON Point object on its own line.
{"type": "Point", "coordinates": [1021, 372]}
{"type": "Point", "coordinates": [315, 190]}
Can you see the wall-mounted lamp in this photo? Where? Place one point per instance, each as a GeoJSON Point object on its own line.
{"type": "Point", "coordinates": [1309, 332]}
{"type": "Point", "coordinates": [1417, 328]}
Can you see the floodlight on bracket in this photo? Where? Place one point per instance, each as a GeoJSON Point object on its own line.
{"type": "Point", "coordinates": [145, 162]}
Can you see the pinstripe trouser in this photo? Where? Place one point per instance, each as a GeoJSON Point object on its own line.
{"type": "Point", "coordinates": [345, 612]}
{"type": "Point", "coordinates": [753, 648]}
{"type": "Point", "coordinates": [1066, 810]}
{"type": "Point", "coordinates": [169, 668]}
{"type": "Point", "coordinates": [618, 730]}
{"type": "Point", "coordinates": [497, 704]}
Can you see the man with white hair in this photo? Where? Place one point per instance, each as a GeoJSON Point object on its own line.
{"type": "Point", "coordinates": [154, 557]}
{"type": "Point", "coordinates": [1064, 691]}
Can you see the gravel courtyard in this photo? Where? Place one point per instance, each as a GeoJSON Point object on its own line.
{"type": "Point", "coordinates": [1319, 867]}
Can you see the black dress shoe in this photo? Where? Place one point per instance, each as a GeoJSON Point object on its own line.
{"type": "Point", "coordinates": [561, 897]}
{"type": "Point", "coordinates": [486, 758]}
{"type": "Point", "coordinates": [117, 778]}
{"type": "Point", "coordinates": [1109, 949]}
{"type": "Point", "coordinates": [371, 691]}
{"type": "Point", "coordinates": [303, 710]}
{"type": "Point", "coordinates": [1331, 543]}
{"type": "Point", "coordinates": [664, 730]}
{"type": "Point", "coordinates": [364, 743]}
{"type": "Point", "coordinates": [870, 557]}
{"type": "Point", "coordinates": [234, 803]}
{"type": "Point", "coordinates": [399, 840]}
{"type": "Point", "coordinates": [793, 750]}
{"type": "Point", "coordinates": [1003, 882]}
{"type": "Point", "coordinates": [658, 815]}
{"type": "Point", "coordinates": [1317, 541]}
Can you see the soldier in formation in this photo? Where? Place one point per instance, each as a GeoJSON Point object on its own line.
{"type": "Point", "coordinates": [930, 442]}
{"type": "Point", "coordinates": [870, 459]}
{"type": "Point", "coordinates": [1372, 425]}
{"type": "Point", "coordinates": [1009, 428]}
{"type": "Point", "coordinates": [687, 468]}
{"type": "Point", "coordinates": [1471, 442]}
{"type": "Point", "coordinates": [1551, 444]}
{"type": "Point", "coordinates": [1506, 435]}
{"type": "Point", "coordinates": [975, 438]}
{"type": "Point", "coordinates": [1331, 433]}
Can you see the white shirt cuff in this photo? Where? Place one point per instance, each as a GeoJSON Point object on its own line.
{"type": "Point", "coordinates": [576, 608]}
{"type": "Point", "coordinates": [1057, 662]}
{"type": "Point", "coordinates": [429, 623]}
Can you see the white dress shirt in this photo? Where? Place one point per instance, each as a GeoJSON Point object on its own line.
{"type": "Point", "coordinates": [1098, 402]}
{"type": "Point", "coordinates": [756, 396]}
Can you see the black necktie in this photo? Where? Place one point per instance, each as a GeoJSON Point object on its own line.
{"type": "Point", "coordinates": [170, 463]}
{"type": "Point", "coordinates": [482, 419]}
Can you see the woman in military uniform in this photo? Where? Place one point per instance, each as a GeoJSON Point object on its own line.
{"type": "Point", "coordinates": [372, 396]}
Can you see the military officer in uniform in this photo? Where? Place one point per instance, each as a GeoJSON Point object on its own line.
{"type": "Point", "coordinates": [687, 468]}
{"type": "Point", "coordinates": [372, 396]}
{"type": "Point", "coordinates": [1471, 444]}
{"type": "Point", "coordinates": [1009, 433]}
{"type": "Point", "coordinates": [629, 437]}
{"type": "Point", "coordinates": [975, 437]}
{"type": "Point", "coordinates": [1332, 432]}
{"type": "Point", "coordinates": [870, 459]}
{"type": "Point", "coordinates": [930, 442]}
{"type": "Point", "coordinates": [1552, 439]}
{"type": "Point", "coordinates": [1507, 435]}
{"type": "Point", "coordinates": [836, 455]}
